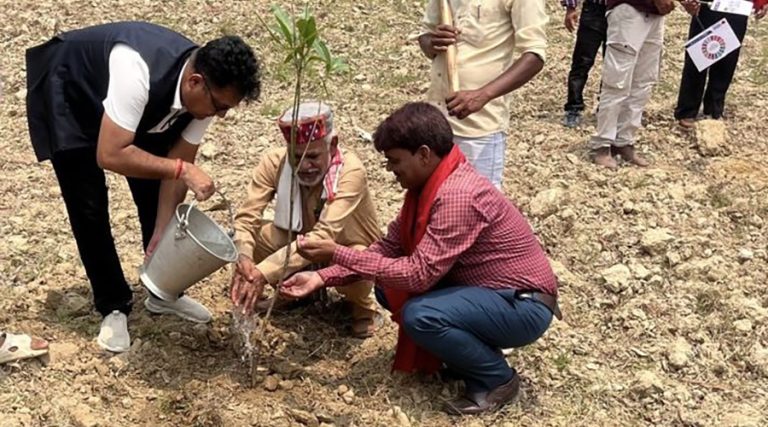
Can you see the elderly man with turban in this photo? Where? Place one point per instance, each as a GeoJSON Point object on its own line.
{"type": "Point", "coordinates": [330, 201]}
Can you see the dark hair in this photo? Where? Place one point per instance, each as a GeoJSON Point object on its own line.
{"type": "Point", "coordinates": [413, 125]}
{"type": "Point", "coordinates": [229, 62]}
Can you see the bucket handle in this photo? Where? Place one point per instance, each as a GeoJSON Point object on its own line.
{"type": "Point", "coordinates": [185, 218]}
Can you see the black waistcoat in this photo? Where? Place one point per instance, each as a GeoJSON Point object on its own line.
{"type": "Point", "coordinates": [67, 80]}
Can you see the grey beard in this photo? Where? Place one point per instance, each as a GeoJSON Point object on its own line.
{"type": "Point", "coordinates": [303, 183]}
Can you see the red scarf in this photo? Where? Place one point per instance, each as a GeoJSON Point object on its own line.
{"type": "Point", "coordinates": [414, 217]}
{"type": "Point", "coordinates": [331, 180]}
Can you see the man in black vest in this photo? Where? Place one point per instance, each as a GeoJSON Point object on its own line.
{"type": "Point", "coordinates": [133, 98]}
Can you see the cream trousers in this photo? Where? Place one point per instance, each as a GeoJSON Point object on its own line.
{"type": "Point", "coordinates": [630, 69]}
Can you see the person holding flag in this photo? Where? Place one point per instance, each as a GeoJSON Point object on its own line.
{"type": "Point", "coordinates": [709, 86]}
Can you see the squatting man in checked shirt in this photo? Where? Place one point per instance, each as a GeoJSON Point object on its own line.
{"type": "Point", "coordinates": [459, 269]}
{"type": "Point", "coordinates": [331, 201]}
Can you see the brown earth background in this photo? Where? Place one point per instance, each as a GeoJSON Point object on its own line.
{"type": "Point", "coordinates": [662, 270]}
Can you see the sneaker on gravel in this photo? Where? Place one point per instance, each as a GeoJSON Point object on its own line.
{"type": "Point", "coordinates": [572, 119]}
{"type": "Point", "coordinates": [113, 335]}
{"type": "Point", "coordinates": [184, 307]}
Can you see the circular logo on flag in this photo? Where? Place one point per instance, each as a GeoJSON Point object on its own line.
{"type": "Point", "coordinates": [713, 47]}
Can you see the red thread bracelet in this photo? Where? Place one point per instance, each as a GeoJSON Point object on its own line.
{"type": "Point", "coordinates": [179, 168]}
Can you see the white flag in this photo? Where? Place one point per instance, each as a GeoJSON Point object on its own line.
{"type": "Point", "coordinates": [738, 7]}
{"type": "Point", "coordinates": [712, 45]}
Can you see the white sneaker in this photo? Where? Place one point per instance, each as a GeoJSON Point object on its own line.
{"type": "Point", "coordinates": [184, 307]}
{"type": "Point", "coordinates": [113, 335]}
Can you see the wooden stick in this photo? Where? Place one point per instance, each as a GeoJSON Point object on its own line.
{"type": "Point", "coordinates": [446, 18]}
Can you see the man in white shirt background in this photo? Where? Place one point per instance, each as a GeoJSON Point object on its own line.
{"type": "Point", "coordinates": [501, 45]}
{"type": "Point", "coordinates": [133, 98]}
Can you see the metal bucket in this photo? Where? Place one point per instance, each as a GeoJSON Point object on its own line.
{"type": "Point", "coordinates": [192, 247]}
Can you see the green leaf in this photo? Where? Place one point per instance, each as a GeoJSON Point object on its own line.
{"type": "Point", "coordinates": [332, 65]}
{"type": "Point", "coordinates": [306, 13]}
{"type": "Point", "coordinates": [312, 58]}
{"type": "Point", "coordinates": [284, 25]}
{"type": "Point", "coordinates": [307, 30]}
{"type": "Point", "coordinates": [322, 51]}
{"type": "Point", "coordinates": [338, 66]}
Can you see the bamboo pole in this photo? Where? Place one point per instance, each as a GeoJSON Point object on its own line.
{"type": "Point", "coordinates": [446, 18]}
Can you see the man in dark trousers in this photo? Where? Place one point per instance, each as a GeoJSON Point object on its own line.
{"type": "Point", "coordinates": [710, 85]}
{"type": "Point", "coordinates": [590, 36]}
{"type": "Point", "coordinates": [133, 98]}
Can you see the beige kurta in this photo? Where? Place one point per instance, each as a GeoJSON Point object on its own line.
{"type": "Point", "coordinates": [349, 220]}
{"type": "Point", "coordinates": [493, 34]}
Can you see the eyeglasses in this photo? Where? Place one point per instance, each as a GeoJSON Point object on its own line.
{"type": "Point", "coordinates": [218, 106]}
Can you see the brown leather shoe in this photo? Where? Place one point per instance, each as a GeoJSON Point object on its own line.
{"type": "Point", "coordinates": [603, 157]}
{"type": "Point", "coordinates": [687, 124]}
{"type": "Point", "coordinates": [365, 322]}
{"type": "Point", "coordinates": [489, 401]}
{"type": "Point", "coordinates": [629, 154]}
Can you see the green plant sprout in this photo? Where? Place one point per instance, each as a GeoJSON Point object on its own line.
{"type": "Point", "coordinates": [298, 38]}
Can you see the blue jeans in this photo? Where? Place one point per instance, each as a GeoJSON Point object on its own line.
{"type": "Point", "coordinates": [486, 154]}
{"type": "Point", "coordinates": [466, 326]}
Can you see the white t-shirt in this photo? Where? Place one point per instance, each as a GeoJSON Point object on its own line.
{"type": "Point", "coordinates": [128, 94]}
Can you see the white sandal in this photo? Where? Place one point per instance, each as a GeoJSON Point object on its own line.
{"type": "Point", "coordinates": [17, 347]}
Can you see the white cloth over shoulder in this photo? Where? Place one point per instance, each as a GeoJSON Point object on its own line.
{"type": "Point", "coordinates": [283, 200]}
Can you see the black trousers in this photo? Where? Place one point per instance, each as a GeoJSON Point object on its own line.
{"type": "Point", "coordinates": [83, 187]}
{"type": "Point", "coordinates": [712, 84]}
{"type": "Point", "coordinates": [590, 37]}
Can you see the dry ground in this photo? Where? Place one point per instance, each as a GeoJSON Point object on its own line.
{"type": "Point", "coordinates": [662, 269]}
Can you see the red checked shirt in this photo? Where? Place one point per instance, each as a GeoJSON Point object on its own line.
{"type": "Point", "coordinates": [474, 237]}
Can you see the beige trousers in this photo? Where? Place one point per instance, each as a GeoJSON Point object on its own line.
{"type": "Point", "coordinates": [630, 69]}
{"type": "Point", "coordinates": [271, 238]}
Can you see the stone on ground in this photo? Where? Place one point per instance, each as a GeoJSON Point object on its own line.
{"type": "Point", "coordinates": [616, 278]}
{"type": "Point", "coordinates": [712, 138]}
{"type": "Point", "coordinates": [82, 416]}
{"type": "Point", "coordinates": [304, 417]}
{"type": "Point", "coordinates": [547, 202]}
{"type": "Point", "coordinates": [647, 384]}
{"type": "Point", "coordinates": [655, 241]}
{"type": "Point", "coordinates": [679, 353]}
{"type": "Point", "coordinates": [759, 359]}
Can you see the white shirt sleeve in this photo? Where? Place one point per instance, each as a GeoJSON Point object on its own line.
{"type": "Point", "coordinates": [195, 130]}
{"type": "Point", "coordinates": [128, 90]}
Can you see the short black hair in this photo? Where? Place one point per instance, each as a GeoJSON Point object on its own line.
{"type": "Point", "coordinates": [413, 125]}
{"type": "Point", "coordinates": [229, 62]}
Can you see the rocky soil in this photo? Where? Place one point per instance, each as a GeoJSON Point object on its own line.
{"type": "Point", "coordinates": [662, 269]}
